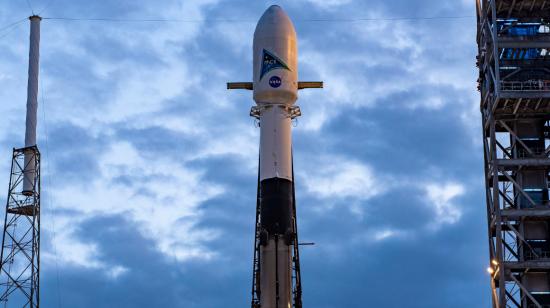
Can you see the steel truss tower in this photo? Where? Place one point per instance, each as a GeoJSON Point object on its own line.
{"type": "Point", "coordinates": [514, 62]}
{"type": "Point", "coordinates": [20, 255]}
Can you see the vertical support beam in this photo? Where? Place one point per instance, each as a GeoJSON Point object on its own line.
{"type": "Point", "coordinates": [256, 291]}
{"type": "Point", "coordinates": [496, 213]}
{"type": "Point", "coordinates": [496, 56]}
{"type": "Point", "coordinates": [297, 289]}
{"type": "Point", "coordinates": [488, 198]}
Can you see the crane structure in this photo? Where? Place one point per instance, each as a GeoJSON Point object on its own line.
{"type": "Point", "coordinates": [20, 254]}
{"type": "Point", "coordinates": [514, 80]}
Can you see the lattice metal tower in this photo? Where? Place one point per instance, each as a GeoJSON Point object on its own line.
{"type": "Point", "coordinates": [514, 62]}
{"type": "Point", "coordinates": [20, 254]}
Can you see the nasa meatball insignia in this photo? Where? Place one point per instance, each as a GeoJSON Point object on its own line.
{"type": "Point", "coordinates": [275, 81]}
{"type": "Point", "coordinates": [271, 62]}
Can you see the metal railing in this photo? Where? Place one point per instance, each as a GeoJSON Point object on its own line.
{"type": "Point", "coordinates": [539, 255]}
{"type": "Point", "coordinates": [539, 152]}
{"type": "Point", "coordinates": [529, 85]}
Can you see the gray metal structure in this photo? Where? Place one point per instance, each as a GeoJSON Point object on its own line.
{"type": "Point", "coordinates": [20, 254]}
{"type": "Point", "coordinates": [514, 63]}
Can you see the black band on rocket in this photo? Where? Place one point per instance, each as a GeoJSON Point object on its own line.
{"type": "Point", "coordinates": [276, 205]}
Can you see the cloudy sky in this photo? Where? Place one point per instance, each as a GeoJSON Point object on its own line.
{"type": "Point", "coordinates": [150, 164]}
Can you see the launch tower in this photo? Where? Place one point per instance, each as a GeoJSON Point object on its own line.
{"type": "Point", "coordinates": [514, 80]}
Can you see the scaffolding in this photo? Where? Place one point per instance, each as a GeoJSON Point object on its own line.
{"type": "Point", "coordinates": [20, 255]}
{"type": "Point", "coordinates": [514, 80]}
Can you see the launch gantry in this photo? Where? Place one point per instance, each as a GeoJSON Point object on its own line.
{"type": "Point", "coordinates": [514, 64]}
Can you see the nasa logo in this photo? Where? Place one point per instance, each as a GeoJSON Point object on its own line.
{"type": "Point", "coordinates": [275, 82]}
{"type": "Point", "coordinates": [271, 62]}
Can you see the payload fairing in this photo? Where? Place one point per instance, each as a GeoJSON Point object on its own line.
{"type": "Point", "coordinates": [275, 85]}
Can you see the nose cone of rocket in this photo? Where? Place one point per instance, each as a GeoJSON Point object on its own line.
{"type": "Point", "coordinates": [274, 23]}
{"type": "Point", "coordinates": [275, 59]}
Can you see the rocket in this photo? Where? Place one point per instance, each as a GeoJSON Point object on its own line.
{"type": "Point", "coordinates": [275, 90]}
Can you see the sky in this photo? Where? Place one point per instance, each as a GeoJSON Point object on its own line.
{"type": "Point", "coordinates": [149, 165]}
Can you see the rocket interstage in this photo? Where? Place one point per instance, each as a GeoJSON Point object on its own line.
{"type": "Point", "coordinates": [275, 84]}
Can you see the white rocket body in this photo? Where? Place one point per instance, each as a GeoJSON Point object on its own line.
{"type": "Point", "coordinates": [32, 105]}
{"type": "Point", "coordinates": [275, 91]}
{"type": "Point", "coordinates": [275, 59]}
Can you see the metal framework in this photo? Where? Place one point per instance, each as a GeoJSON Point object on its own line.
{"type": "Point", "coordinates": [296, 275]}
{"type": "Point", "coordinates": [20, 255]}
{"type": "Point", "coordinates": [514, 63]}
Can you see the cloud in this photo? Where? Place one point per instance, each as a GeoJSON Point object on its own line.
{"type": "Point", "coordinates": [387, 234]}
{"type": "Point", "coordinates": [399, 66]}
{"type": "Point", "coordinates": [329, 4]}
{"type": "Point", "coordinates": [116, 271]}
{"type": "Point", "coordinates": [336, 177]}
{"type": "Point", "coordinates": [161, 196]}
{"type": "Point", "coordinates": [441, 198]}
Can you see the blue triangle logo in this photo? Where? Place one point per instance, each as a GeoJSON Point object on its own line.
{"type": "Point", "coordinates": [271, 62]}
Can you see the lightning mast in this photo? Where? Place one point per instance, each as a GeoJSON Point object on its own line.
{"type": "Point", "coordinates": [276, 281]}
{"type": "Point", "coordinates": [20, 254]}
{"type": "Point", "coordinates": [514, 80]}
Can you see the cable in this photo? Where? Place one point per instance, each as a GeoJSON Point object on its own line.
{"type": "Point", "coordinates": [335, 20]}
{"type": "Point", "coordinates": [13, 24]}
{"type": "Point", "coordinates": [45, 7]}
{"type": "Point", "coordinates": [145, 20]}
{"type": "Point", "coordinates": [6, 33]}
{"type": "Point", "coordinates": [52, 208]}
{"type": "Point", "coordinates": [30, 6]}
{"type": "Point", "coordinates": [384, 19]}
